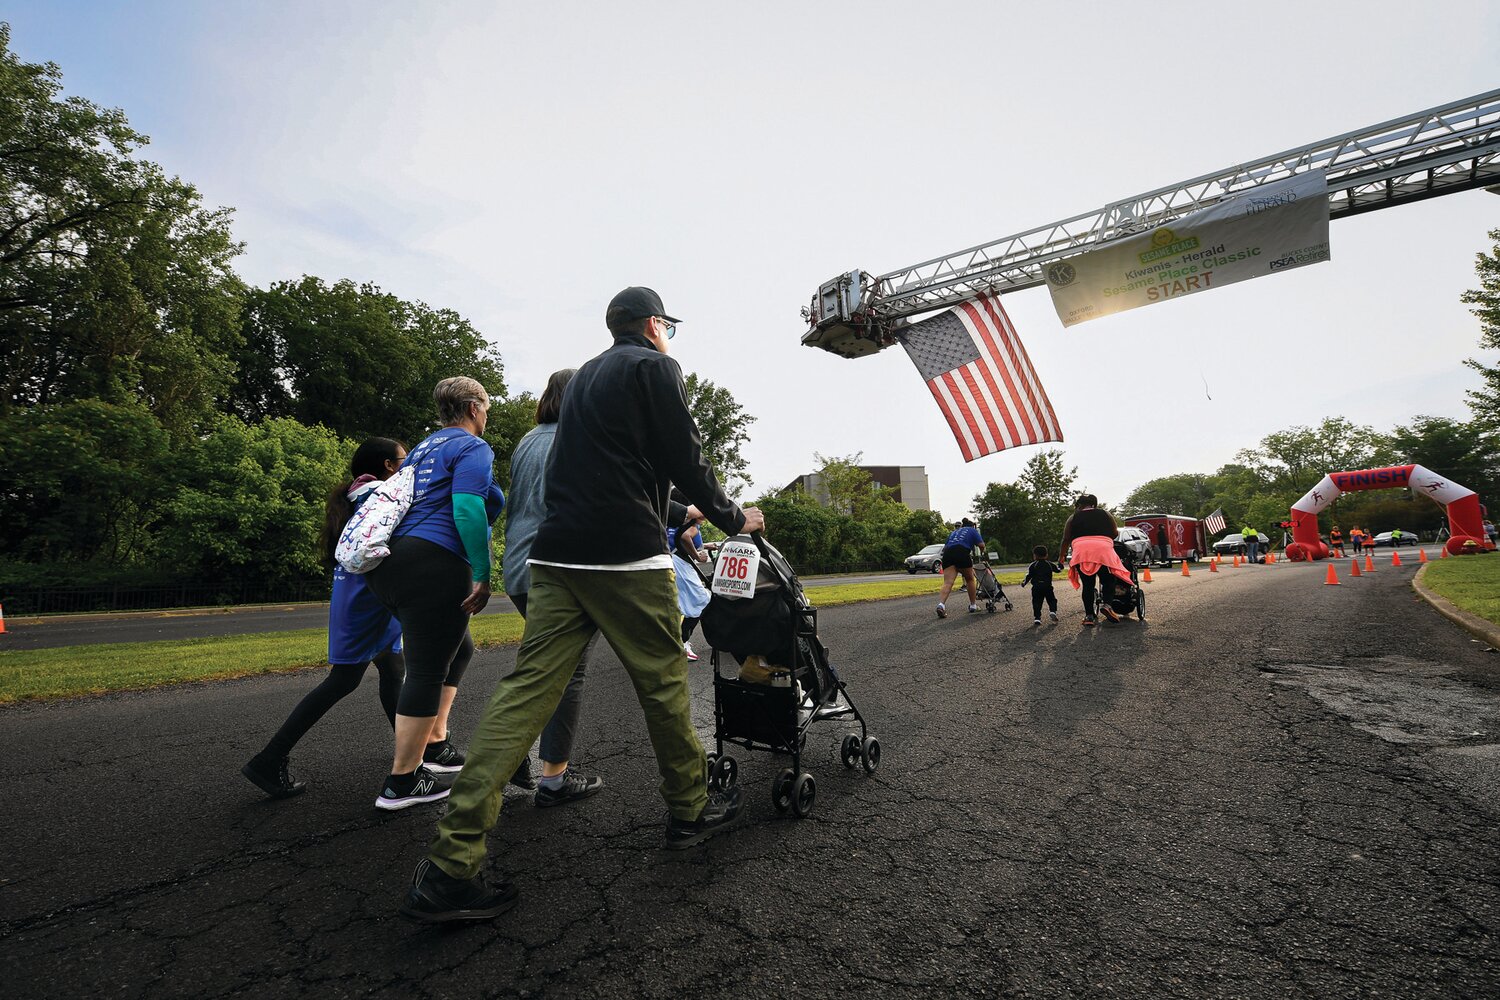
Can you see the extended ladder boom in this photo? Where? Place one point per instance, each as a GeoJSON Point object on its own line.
{"type": "Point", "coordinates": [1439, 151]}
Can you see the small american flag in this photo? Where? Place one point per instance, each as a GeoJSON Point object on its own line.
{"type": "Point", "coordinates": [978, 371]}
{"type": "Point", "coordinates": [1215, 522]}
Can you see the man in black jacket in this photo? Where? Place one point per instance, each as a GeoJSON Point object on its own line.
{"type": "Point", "coordinates": [599, 562]}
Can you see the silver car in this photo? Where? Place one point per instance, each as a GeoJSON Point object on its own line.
{"type": "Point", "coordinates": [930, 560]}
{"type": "Point", "coordinates": [1139, 545]}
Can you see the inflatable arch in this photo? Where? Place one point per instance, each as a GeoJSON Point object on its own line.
{"type": "Point", "coordinates": [1465, 521]}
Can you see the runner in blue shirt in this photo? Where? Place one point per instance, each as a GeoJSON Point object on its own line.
{"type": "Point", "coordinates": [958, 557]}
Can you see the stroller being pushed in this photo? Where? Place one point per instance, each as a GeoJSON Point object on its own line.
{"type": "Point", "coordinates": [784, 683]}
{"type": "Point", "coordinates": [989, 588]}
{"type": "Point", "coordinates": [1122, 598]}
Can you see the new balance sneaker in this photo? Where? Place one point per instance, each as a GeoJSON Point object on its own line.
{"type": "Point", "coordinates": [273, 778]}
{"type": "Point", "coordinates": [443, 757]}
{"type": "Point", "coordinates": [402, 791]}
{"type": "Point", "coordinates": [574, 786]}
{"type": "Point", "coordinates": [435, 897]}
{"type": "Point", "coordinates": [720, 812]}
{"type": "Point", "coordinates": [942, 611]}
{"type": "Point", "coordinates": [522, 779]}
{"type": "Point", "coordinates": [687, 648]}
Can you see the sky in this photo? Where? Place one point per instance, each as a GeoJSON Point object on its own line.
{"type": "Point", "coordinates": [522, 162]}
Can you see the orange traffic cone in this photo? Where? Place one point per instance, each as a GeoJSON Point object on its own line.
{"type": "Point", "coordinates": [1270, 557]}
{"type": "Point", "coordinates": [1185, 569]}
{"type": "Point", "coordinates": [1421, 555]}
{"type": "Point", "coordinates": [1369, 563]}
{"type": "Point", "coordinates": [1213, 567]}
{"type": "Point", "coordinates": [1395, 558]}
{"type": "Point", "coordinates": [1443, 552]}
{"type": "Point", "coordinates": [1236, 561]}
{"type": "Point", "coordinates": [1354, 567]}
{"type": "Point", "coordinates": [2, 619]}
{"type": "Point", "coordinates": [1146, 574]}
{"type": "Point", "coordinates": [1333, 578]}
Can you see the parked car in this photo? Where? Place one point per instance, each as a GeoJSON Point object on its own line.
{"type": "Point", "coordinates": [1384, 539]}
{"type": "Point", "coordinates": [1234, 545]}
{"type": "Point", "coordinates": [1136, 541]}
{"type": "Point", "coordinates": [930, 560]}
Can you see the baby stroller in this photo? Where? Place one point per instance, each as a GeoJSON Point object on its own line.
{"type": "Point", "coordinates": [989, 588]}
{"type": "Point", "coordinates": [1122, 597]}
{"type": "Point", "coordinates": [784, 684]}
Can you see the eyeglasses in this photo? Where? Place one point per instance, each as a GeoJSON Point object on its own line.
{"type": "Point", "coordinates": [670, 328]}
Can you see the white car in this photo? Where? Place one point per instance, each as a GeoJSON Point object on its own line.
{"type": "Point", "coordinates": [1136, 541]}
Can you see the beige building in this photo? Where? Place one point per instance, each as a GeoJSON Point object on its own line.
{"type": "Point", "coordinates": [908, 481]}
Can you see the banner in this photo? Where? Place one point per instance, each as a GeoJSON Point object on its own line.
{"type": "Point", "coordinates": [1256, 232]}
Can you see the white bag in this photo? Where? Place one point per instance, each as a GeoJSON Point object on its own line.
{"type": "Point", "coordinates": [365, 541]}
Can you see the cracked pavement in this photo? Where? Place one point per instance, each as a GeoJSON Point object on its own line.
{"type": "Point", "coordinates": [1272, 789]}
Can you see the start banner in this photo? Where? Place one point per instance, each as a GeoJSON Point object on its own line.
{"type": "Point", "coordinates": [1256, 232]}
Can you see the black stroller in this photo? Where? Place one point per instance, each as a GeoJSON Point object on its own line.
{"type": "Point", "coordinates": [1121, 597]}
{"type": "Point", "coordinates": [784, 684]}
{"type": "Point", "coordinates": [989, 588]}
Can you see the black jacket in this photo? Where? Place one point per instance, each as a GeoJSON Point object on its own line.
{"type": "Point", "coordinates": [624, 437]}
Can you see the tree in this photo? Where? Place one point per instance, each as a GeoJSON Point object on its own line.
{"type": "Point", "coordinates": [1008, 514]}
{"type": "Point", "coordinates": [1050, 485]}
{"type": "Point", "coordinates": [115, 281]}
{"type": "Point", "coordinates": [1298, 457]}
{"type": "Point", "coordinates": [1185, 493]}
{"type": "Point", "coordinates": [353, 358]}
{"type": "Point", "coordinates": [725, 428]}
{"type": "Point", "coordinates": [1485, 401]}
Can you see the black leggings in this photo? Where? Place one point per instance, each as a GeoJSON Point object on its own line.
{"type": "Point", "coordinates": [1038, 595]}
{"type": "Point", "coordinates": [342, 679]}
{"type": "Point", "coordinates": [688, 625]}
{"type": "Point", "coordinates": [1089, 583]}
{"type": "Point", "coordinates": [423, 585]}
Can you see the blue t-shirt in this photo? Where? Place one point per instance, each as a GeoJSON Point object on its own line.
{"type": "Point", "coordinates": [448, 461]}
{"type": "Point", "coordinates": [967, 536]}
{"type": "Point", "coordinates": [359, 626]}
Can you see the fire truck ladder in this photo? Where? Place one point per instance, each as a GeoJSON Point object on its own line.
{"type": "Point", "coordinates": [1443, 150]}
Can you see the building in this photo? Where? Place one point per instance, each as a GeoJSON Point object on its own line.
{"type": "Point", "coordinates": [908, 482]}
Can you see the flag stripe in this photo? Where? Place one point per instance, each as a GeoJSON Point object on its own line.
{"type": "Point", "coordinates": [965, 413]}
{"type": "Point", "coordinates": [1046, 419]}
{"type": "Point", "coordinates": [950, 413]}
{"type": "Point", "coordinates": [986, 404]}
{"type": "Point", "coordinates": [994, 355]}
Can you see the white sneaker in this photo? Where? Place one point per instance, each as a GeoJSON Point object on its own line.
{"type": "Point", "coordinates": [973, 608]}
{"type": "Point", "coordinates": [942, 611]}
{"type": "Point", "coordinates": [687, 648]}
{"type": "Point", "coordinates": [1053, 616]}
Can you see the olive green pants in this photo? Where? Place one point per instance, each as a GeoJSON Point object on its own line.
{"type": "Point", "coordinates": [637, 613]}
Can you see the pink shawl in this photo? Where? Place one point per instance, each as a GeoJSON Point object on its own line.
{"type": "Point", "coordinates": [1091, 553]}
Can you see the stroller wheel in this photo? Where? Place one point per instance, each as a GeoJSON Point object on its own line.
{"type": "Point", "coordinates": [870, 755]}
{"type": "Point", "coordinates": [804, 791]}
{"type": "Point", "coordinates": [989, 606]}
{"type": "Point", "coordinates": [724, 773]}
{"type": "Point", "coordinates": [781, 789]}
{"type": "Point", "coordinates": [849, 750]}
{"type": "Point", "coordinates": [1009, 606]}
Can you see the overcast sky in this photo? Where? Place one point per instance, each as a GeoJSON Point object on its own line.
{"type": "Point", "coordinates": [521, 163]}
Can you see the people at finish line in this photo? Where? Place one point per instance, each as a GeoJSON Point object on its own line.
{"type": "Point", "coordinates": [1252, 543]}
{"type": "Point", "coordinates": [624, 437]}
{"type": "Point", "coordinates": [1089, 540]}
{"type": "Point", "coordinates": [958, 557]}
{"type": "Point", "coordinates": [1396, 537]}
{"type": "Point", "coordinates": [1039, 577]}
{"type": "Point", "coordinates": [360, 630]}
{"type": "Point", "coordinates": [1357, 537]}
{"type": "Point", "coordinates": [527, 507]}
{"type": "Point", "coordinates": [437, 575]}
{"type": "Point", "coordinates": [1335, 541]}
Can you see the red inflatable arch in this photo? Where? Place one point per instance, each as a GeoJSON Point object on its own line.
{"type": "Point", "coordinates": [1465, 522]}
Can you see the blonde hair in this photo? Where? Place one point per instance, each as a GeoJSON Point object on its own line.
{"type": "Point", "coordinates": [453, 396]}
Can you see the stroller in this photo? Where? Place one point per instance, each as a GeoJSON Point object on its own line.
{"type": "Point", "coordinates": [784, 684]}
{"type": "Point", "coordinates": [990, 590]}
{"type": "Point", "coordinates": [1122, 597]}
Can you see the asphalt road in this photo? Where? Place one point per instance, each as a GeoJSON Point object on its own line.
{"type": "Point", "coordinates": [53, 631]}
{"type": "Point", "coordinates": [1273, 789]}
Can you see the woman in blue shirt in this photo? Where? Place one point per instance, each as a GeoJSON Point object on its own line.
{"type": "Point", "coordinates": [958, 557]}
{"type": "Point", "coordinates": [437, 575]}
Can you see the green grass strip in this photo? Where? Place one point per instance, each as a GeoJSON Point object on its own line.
{"type": "Point", "coordinates": [72, 671]}
{"type": "Point", "coordinates": [1470, 582]}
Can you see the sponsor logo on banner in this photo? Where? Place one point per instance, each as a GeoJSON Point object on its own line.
{"type": "Point", "coordinates": [1251, 234]}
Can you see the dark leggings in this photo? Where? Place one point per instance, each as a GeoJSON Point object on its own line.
{"type": "Point", "coordinates": [342, 679]}
{"type": "Point", "coordinates": [688, 625]}
{"type": "Point", "coordinates": [1089, 583]}
{"type": "Point", "coordinates": [1038, 595]}
{"type": "Point", "coordinates": [423, 585]}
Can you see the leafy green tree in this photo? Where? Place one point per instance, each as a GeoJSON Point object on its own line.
{"type": "Point", "coordinates": [115, 281]}
{"type": "Point", "coordinates": [353, 358]}
{"type": "Point", "coordinates": [1186, 493]}
{"type": "Point", "coordinates": [1051, 485]}
{"type": "Point", "coordinates": [1485, 401]}
{"type": "Point", "coordinates": [725, 428]}
{"type": "Point", "coordinates": [1298, 457]}
{"type": "Point", "coordinates": [1008, 515]}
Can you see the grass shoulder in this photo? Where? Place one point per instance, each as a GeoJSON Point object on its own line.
{"type": "Point", "coordinates": [1471, 583]}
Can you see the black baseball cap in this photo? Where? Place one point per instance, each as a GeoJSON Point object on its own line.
{"type": "Point", "coordinates": [638, 303]}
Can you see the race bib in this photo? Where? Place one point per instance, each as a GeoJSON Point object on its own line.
{"type": "Point", "coordinates": [734, 574]}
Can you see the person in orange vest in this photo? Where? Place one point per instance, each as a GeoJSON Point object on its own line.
{"type": "Point", "coordinates": [1336, 541]}
{"type": "Point", "coordinates": [1358, 538]}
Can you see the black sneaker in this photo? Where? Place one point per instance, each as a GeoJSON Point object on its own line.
{"type": "Point", "coordinates": [574, 786]}
{"type": "Point", "coordinates": [274, 779]}
{"type": "Point", "coordinates": [522, 778]}
{"type": "Point", "coordinates": [1089, 620]}
{"type": "Point", "coordinates": [1109, 613]}
{"type": "Point", "coordinates": [720, 812]}
{"type": "Point", "coordinates": [404, 790]}
{"type": "Point", "coordinates": [435, 897]}
{"type": "Point", "coordinates": [443, 757]}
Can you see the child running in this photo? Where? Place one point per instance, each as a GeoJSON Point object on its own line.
{"type": "Point", "coordinates": [1039, 575]}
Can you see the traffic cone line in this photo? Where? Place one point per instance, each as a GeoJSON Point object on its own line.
{"type": "Point", "coordinates": [1354, 567]}
{"type": "Point", "coordinates": [1185, 568]}
{"type": "Point", "coordinates": [1395, 558]}
{"type": "Point", "coordinates": [1369, 563]}
{"type": "Point", "coordinates": [1146, 574]}
{"type": "Point", "coordinates": [1332, 580]}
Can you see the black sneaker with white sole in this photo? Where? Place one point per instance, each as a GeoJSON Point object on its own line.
{"type": "Point", "coordinates": [720, 812]}
{"type": "Point", "coordinates": [273, 778]}
{"type": "Point", "coordinates": [574, 786]}
{"type": "Point", "coordinates": [435, 897]}
{"type": "Point", "coordinates": [404, 790]}
{"type": "Point", "coordinates": [443, 757]}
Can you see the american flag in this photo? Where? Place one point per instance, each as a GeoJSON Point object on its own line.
{"type": "Point", "coordinates": [979, 373]}
{"type": "Point", "coordinates": [1215, 522]}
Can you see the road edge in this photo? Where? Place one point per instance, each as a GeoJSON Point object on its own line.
{"type": "Point", "coordinates": [1481, 628]}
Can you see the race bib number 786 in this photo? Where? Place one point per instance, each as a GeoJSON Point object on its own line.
{"type": "Point", "coordinates": [734, 573]}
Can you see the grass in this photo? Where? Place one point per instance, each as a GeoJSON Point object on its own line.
{"type": "Point", "coordinates": [72, 671]}
{"type": "Point", "coordinates": [1470, 582]}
